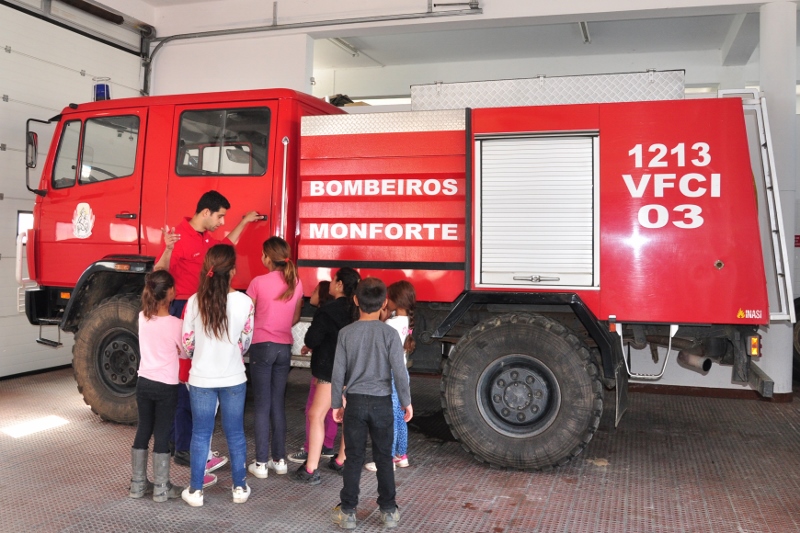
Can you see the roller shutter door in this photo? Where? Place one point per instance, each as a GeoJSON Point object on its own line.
{"type": "Point", "coordinates": [536, 211]}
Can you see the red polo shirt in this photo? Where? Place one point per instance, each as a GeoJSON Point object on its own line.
{"type": "Point", "coordinates": [187, 258]}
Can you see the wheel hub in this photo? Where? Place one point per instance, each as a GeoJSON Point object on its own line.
{"type": "Point", "coordinates": [119, 361]}
{"type": "Point", "coordinates": [518, 395]}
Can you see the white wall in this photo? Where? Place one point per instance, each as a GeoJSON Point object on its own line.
{"type": "Point", "coordinates": [41, 76]}
{"type": "Point", "coordinates": [234, 63]}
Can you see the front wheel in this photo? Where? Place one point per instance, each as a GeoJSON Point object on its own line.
{"type": "Point", "coordinates": [105, 358]}
{"type": "Point", "coordinates": [522, 391]}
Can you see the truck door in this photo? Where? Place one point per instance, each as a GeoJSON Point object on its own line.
{"type": "Point", "coordinates": [231, 148]}
{"type": "Point", "coordinates": [91, 206]}
{"type": "Point", "coordinates": [536, 211]}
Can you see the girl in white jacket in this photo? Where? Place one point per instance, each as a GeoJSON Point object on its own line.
{"type": "Point", "coordinates": [217, 331]}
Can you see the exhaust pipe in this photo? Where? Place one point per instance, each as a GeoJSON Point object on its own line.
{"type": "Point", "coordinates": [695, 362]}
{"type": "Point", "coordinates": [691, 354]}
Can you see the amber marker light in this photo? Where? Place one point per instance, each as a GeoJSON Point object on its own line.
{"type": "Point", "coordinates": [755, 345]}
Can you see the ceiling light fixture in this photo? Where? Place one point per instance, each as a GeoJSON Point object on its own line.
{"type": "Point", "coordinates": [587, 39]}
{"type": "Point", "coordinates": [347, 47]}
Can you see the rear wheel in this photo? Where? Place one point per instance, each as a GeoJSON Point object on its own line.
{"type": "Point", "coordinates": [523, 392]}
{"type": "Point", "coordinates": [105, 358]}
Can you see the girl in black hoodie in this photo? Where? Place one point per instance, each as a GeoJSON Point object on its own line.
{"type": "Point", "coordinates": [321, 337]}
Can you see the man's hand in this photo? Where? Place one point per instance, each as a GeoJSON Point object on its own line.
{"type": "Point", "coordinates": [338, 415]}
{"type": "Point", "coordinates": [252, 216]}
{"type": "Point", "coordinates": [170, 237]}
{"type": "Point", "coordinates": [305, 350]}
{"type": "Point", "coordinates": [409, 413]}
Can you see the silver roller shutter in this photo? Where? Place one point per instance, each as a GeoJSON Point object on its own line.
{"type": "Point", "coordinates": [536, 211]}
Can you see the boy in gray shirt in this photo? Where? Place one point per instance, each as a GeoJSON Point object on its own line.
{"type": "Point", "coordinates": [367, 353]}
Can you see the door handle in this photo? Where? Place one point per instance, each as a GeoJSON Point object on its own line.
{"type": "Point", "coordinates": [125, 215]}
{"type": "Point", "coordinates": [536, 279]}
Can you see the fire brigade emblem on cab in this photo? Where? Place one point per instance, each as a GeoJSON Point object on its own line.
{"type": "Point", "coordinates": [82, 221]}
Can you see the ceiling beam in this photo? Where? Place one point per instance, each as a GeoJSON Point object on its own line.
{"type": "Point", "coordinates": [741, 40]}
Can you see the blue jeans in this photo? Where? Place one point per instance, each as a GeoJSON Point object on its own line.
{"type": "Point", "coordinates": [269, 370]}
{"type": "Point", "coordinates": [368, 415]}
{"type": "Point", "coordinates": [204, 405]}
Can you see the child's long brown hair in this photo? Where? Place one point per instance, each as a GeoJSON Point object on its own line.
{"type": "Point", "coordinates": [403, 295]}
{"type": "Point", "coordinates": [215, 283]}
{"type": "Point", "coordinates": [278, 252]}
{"type": "Point", "coordinates": [156, 288]}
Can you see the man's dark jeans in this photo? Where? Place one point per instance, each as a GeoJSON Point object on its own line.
{"type": "Point", "coordinates": [368, 415]}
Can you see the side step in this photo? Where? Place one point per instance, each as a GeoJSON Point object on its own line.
{"type": "Point", "coordinates": [760, 381]}
{"type": "Point", "coordinates": [49, 342]}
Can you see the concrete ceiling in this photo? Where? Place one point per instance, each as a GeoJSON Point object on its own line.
{"type": "Point", "coordinates": [734, 35]}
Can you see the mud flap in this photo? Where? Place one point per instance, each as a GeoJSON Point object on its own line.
{"type": "Point", "coordinates": [621, 375]}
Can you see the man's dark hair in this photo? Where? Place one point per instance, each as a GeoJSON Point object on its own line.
{"type": "Point", "coordinates": [371, 293]}
{"type": "Point", "coordinates": [213, 201]}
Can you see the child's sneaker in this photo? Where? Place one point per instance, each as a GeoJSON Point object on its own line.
{"type": "Point", "coordinates": [216, 462]}
{"type": "Point", "coordinates": [336, 467]}
{"type": "Point", "coordinates": [390, 520]}
{"type": "Point", "coordinates": [401, 461]}
{"type": "Point", "coordinates": [327, 452]}
{"type": "Point", "coordinates": [240, 494]}
{"type": "Point", "coordinates": [342, 519]}
{"type": "Point", "coordinates": [278, 466]}
{"type": "Point", "coordinates": [299, 457]}
{"type": "Point", "coordinates": [208, 480]}
{"type": "Point", "coordinates": [302, 455]}
{"type": "Point", "coordinates": [304, 476]}
{"type": "Point", "coordinates": [259, 470]}
{"type": "Point", "coordinates": [195, 499]}
{"type": "Point", "coordinates": [373, 468]}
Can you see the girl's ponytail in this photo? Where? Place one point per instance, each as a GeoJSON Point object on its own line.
{"type": "Point", "coordinates": [215, 283]}
{"type": "Point", "coordinates": [278, 252]}
{"type": "Point", "coordinates": [349, 278]}
{"type": "Point", "coordinates": [404, 296]}
{"type": "Point", "coordinates": [156, 289]}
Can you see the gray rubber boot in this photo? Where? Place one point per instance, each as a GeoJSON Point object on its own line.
{"type": "Point", "coordinates": [140, 485]}
{"type": "Point", "coordinates": [163, 490]}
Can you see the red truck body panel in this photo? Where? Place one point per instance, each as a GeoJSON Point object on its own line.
{"type": "Point", "coordinates": [678, 226]}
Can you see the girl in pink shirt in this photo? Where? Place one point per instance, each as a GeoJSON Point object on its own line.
{"type": "Point", "coordinates": [156, 387]}
{"type": "Point", "coordinates": [278, 298]}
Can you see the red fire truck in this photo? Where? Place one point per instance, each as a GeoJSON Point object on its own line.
{"type": "Point", "coordinates": [543, 242]}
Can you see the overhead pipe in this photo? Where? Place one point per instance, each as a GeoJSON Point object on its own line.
{"type": "Point", "coordinates": [474, 9]}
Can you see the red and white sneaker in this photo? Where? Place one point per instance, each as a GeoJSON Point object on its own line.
{"type": "Point", "coordinates": [401, 461]}
{"type": "Point", "coordinates": [208, 480]}
{"type": "Point", "coordinates": [216, 462]}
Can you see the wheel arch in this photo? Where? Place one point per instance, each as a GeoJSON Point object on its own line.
{"type": "Point", "coordinates": [607, 344]}
{"type": "Point", "coordinates": [112, 275]}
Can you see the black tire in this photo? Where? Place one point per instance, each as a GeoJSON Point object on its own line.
{"type": "Point", "coordinates": [105, 358]}
{"type": "Point", "coordinates": [521, 391]}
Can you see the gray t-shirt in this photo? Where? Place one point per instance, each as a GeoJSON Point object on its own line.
{"type": "Point", "coordinates": [367, 353]}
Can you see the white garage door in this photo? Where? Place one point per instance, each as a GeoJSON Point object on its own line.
{"type": "Point", "coordinates": [536, 211]}
{"type": "Point", "coordinates": [43, 68]}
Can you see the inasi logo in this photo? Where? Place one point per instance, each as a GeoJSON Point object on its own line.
{"type": "Point", "coordinates": [749, 313]}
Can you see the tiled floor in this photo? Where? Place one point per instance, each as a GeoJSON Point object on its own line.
{"type": "Point", "coordinates": [676, 464]}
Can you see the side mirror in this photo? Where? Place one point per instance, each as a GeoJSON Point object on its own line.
{"type": "Point", "coordinates": [31, 149]}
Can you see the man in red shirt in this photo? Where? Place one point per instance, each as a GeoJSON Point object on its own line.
{"type": "Point", "coordinates": [183, 255]}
